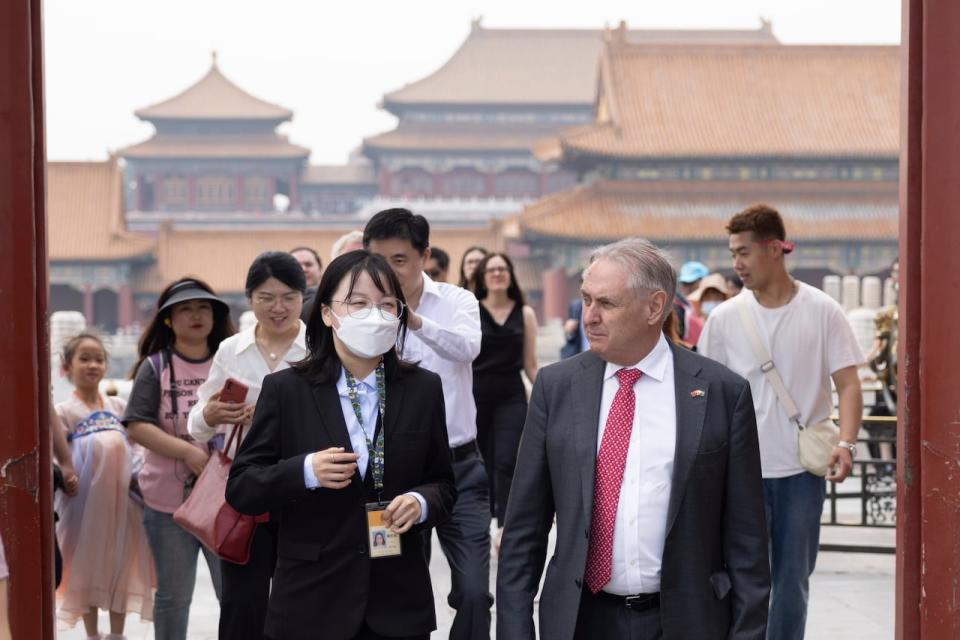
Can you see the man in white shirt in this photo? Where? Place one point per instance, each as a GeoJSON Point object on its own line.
{"type": "Point", "coordinates": [647, 456]}
{"type": "Point", "coordinates": [444, 337]}
{"type": "Point", "coordinates": [809, 341]}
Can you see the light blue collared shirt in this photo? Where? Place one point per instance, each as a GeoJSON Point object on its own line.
{"type": "Point", "coordinates": [369, 410]}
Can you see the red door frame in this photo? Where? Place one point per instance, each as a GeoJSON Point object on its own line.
{"type": "Point", "coordinates": [928, 531]}
{"type": "Point", "coordinates": [928, 488]}
{"type": "Point", "coordinates": [26, 509]}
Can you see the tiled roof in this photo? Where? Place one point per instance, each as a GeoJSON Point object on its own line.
{"type": "Point", "coordinates": [214, 146]}
{"type": "Point", "coordinates": [684, 211]}
{"type": "Point", "coordinates": [339, 174]}
{"type": "Point", "coordinates": [696, 101]}
{"type": "Point", "coordinates": [469, 137]}
{"type": "Point", "coordinates": [85, 216]}
{"type": "Point", "coordinates": [214, 97]}
{"type": "Point", "coordinates": [538, 66]}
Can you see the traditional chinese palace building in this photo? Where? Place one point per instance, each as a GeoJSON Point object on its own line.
{"type": "Point", "coordinates": [684, 136]}
{"type": "Point", "coordinates": [544, 142]}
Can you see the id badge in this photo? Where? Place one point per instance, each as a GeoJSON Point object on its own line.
{"type": "Point", "coordinates": [383, 542]}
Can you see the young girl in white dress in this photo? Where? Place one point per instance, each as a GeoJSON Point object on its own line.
{"type": "Point", "coordinates": [106, 559]}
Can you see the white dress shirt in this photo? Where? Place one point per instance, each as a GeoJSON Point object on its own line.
{"type": "Point", "coordinates": [447, 344]}
{"type": "Point", "coordinates": [640, 527]}
{"type": "Point", "coordinates": [239, 358]}
{"type": "Point", "coordinates": [370, 411]}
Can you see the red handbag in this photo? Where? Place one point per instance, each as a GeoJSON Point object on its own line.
{"type": "Point", "coordinates": [206, 514]}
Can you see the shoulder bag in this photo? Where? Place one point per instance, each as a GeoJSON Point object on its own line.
{"type": "Point", "coordinates": [206, 514]}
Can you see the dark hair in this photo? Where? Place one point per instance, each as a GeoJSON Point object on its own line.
{"type": "Point", "coordinates": [398, 223]}
{"type": "Point", "coordinates": [463, 278]}
{"type": "Point", "coordinates": [70, 347]}
{"type": "Point", "coordinates": [316, 256]}
{"type": "Point", "coordinates": [441, 256]}
{"type": "Point", "coordinates": [480, 287]}
{"type": "Point", "coordinates": [158, 336]}
{"type": "Point", "coordinates": [322, 363]}
{"type": "Point", "coordinates": [761, 219]}
{"type": "Point", "coordinates": [275, 264]}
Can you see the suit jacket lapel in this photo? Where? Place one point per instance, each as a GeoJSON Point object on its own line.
{"type": "Point", "coordinates": [587, 390]}
{"type": "Point", "coordinates": [327, 399]}
{"type": "Point", "coordinates": [394, 400]}
{"type": "Point", "coordinates": [691, 410]}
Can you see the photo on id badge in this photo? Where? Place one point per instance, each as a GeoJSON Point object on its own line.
{"type": "Point", "coordinates": [383, 542]}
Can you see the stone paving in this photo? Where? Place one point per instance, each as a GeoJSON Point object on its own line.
{"type": "Point", "coordinates": [851, 595]}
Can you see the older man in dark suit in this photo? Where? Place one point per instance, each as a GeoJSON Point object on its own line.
{"type": "Point", "coordinates": [647, 454]}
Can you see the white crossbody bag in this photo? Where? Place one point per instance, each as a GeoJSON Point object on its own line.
{"type": "Point", "coordinates": [817, 441]}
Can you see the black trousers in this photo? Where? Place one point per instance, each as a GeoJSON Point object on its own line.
{"type": "Point", "coordinates": [465, 540]}
{"type": "Point", "coordinates": [246, 588]}
{"type": "Point", "coordinates": [603, 619]}
{"type": "Point", "coordinates": [366, 633]}
{"type": "Point", "coordinates": [501, 412]}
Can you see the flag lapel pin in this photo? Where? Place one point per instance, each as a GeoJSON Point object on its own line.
{"type": "Point", "coordinates": [697, 393]}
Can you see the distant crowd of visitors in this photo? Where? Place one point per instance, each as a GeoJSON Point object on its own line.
{"type": "Point", "coordinates": [673, 449]}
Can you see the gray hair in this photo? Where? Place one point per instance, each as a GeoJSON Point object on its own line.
{"type": "Point", "coordinates": [649, 268]}
{"type": "Point", "coordinates": [348, 238]}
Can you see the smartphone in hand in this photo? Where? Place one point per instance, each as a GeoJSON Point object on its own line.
{"type": "Point", "coordinates": [233, 391]}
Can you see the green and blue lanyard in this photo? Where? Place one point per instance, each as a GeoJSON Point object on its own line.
{"type": "Point", "coordinates": [375, 455]}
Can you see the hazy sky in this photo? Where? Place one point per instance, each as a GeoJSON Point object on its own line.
{"type": "Point", "coordinates": [331, 62]}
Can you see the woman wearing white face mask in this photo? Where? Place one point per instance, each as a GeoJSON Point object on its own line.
{"type": "Point", "coordinates": [349, 448]}
{"type": "Point", "coordinates": [712, 291]}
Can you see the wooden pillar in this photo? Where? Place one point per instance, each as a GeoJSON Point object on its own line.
{"type": "Point", "coordinates": [124, 306]}
{"type": "Point", "coordinates": [88, 306]}
{"type": "Point", "coordinates": [928, 483]}
{"type": "Point", "coordinates": [555, 295]}
{"type": "Point", "coordinates": [294, 192]}
{"type": "Point", "coordinates": [26, 506]}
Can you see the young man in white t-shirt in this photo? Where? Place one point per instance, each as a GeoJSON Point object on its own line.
{"type": "Point", "coordinates": [810, 341]}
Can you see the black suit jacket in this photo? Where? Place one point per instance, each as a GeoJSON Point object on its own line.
{"type": "Point", "coordinates": [715, 578]}
{"type": "Point", "coordinates": [325, 583]}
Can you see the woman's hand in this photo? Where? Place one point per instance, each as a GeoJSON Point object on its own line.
{"type": "Point", "coordinates": [217, 413]}
{"type": "Point", "coordinates": [334, 467]}
{"type": "Point", "coordinates": [402, 513]}
{"type": "Point", "coordinates": [195, 459]}
{"type": "Point", "coordinates": [71, 483]}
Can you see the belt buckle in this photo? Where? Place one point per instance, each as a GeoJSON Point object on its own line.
{"type": "Point", "coordinates": [640, 601]}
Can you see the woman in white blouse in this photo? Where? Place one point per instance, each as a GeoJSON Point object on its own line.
{"type": "Point", "coordinates": [274, 288]}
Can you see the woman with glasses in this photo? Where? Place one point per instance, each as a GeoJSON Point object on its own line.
{"type": "Point", "coordinates": [175, 355]}
{"type": "Point", "coordinates": [509, 346]}
{"type": "Point", "coordinates": [472, 257]}
{"type": "Point", "coordinates": [349, 449]}
{"type": "Point", "coordinates": [274, 288]}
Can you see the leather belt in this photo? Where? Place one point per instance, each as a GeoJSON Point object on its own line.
{"type": "Point", "coordinates": [639, 602]}
{"type": "Point", "coordinates": [464, 451]}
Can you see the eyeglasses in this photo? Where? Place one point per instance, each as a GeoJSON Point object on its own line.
{"type": "Point", "coordinates": [496, 270]}
{"type": "Point", "coordinates": [360, 308]}
{"type": "Point", "coordinates": [287, 300]}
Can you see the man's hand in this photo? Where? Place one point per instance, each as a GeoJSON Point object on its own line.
{"type": "Point", "coordinates": [402, 513]}
{"type": "Point", "coordinates": [840, 464]}
{"type": "Point", "coordinates": [334, 467]}
{"type": "Point", "coordinates": [571, 326]}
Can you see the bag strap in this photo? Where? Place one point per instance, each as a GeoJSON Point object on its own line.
{"type": "Point", "coordinates": [767, 367]}
{"type": "Point", "coordinates": [233, 434]}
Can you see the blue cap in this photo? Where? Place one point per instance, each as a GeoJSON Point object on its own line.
{"type": "Point", "coordinates": [693, 271]}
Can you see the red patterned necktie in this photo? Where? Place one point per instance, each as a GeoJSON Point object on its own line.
{"type": "Point", "coordinates": [609, 478]}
